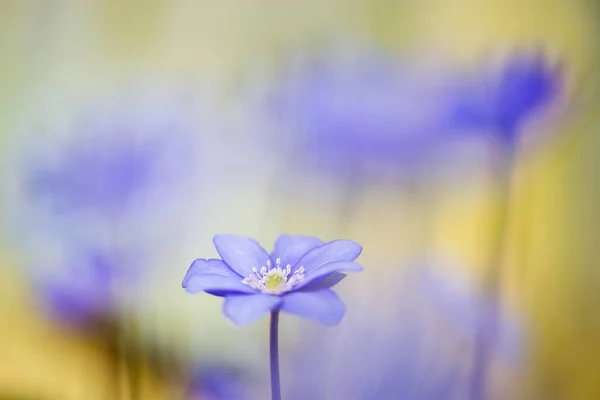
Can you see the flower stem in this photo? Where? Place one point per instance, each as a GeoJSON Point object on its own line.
{"type": "Point", "coordinates": [487, 330]}
{"type": "Point", "coordinates": [351, 193]}
{"type": "Point", "coordinates": [274, 356]}
{"type": "Point", "coordinates": [133, 360]}
{"type": "Point", "coordinates": [110, 340]}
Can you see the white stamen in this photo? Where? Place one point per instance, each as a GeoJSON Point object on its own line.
{"type": "Point", "coordinates": [274, 279]}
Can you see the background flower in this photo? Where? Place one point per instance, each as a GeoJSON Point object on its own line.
{"type": "Point", "coordinates": [88, 200]}
{"type": "Point", "coordinates": [213, 382]}
{"type": "Point", "coordinates": [416, 347]}
{"type": "Point", "coordinates": [110, 160]}
{"type": "Point", "coordinates": [84, 293]}
{"type": "Point", "coordinates": [503, 100]}
{"type": "Point", "coordinates": [96, 175]}
{"type": "Point", "coordinates": [359, 111]}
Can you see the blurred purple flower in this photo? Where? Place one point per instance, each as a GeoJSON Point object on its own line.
{"type": "Point", "coordinates": [87, 198]}
{"type": "Point", "coordinates": [502, 103]}
{"type": "Point", "coordinates": [351, 115]}
{"type": "Point", "coordinates": [412, 345]}
{"type": "Point", "coordinates": [217, 383]}
{"type": "Point", "coordinates": [97, 179]}
{"type": "Point", "coordinates": [295, 278]}
{"type": "Point", "coordinates": [104, 168]}
{"type": "Point", "coordinates": [84, 294]}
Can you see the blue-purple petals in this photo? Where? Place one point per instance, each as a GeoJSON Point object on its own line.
{"type": "Point", "coordinates": [105, 169]}
{"type": "Point", "coordinates": [84, 294]}
{"type": "Point", "coordinates": [85, 192]}
{"type": "Point", "coordinates": [501, 103]}
{"type": "Point", "coordinates": [364, 112]}
{"type": "Point", "coordinates": [89, 285]}
{"type": "Point", "coordinates": [295, 278]}
{"type": "Point", "coordinates": [412, 340]}
{"type": "Point", "coordinates": [101, 178]}
{"type": "Point", "coordinates": [218, 383]}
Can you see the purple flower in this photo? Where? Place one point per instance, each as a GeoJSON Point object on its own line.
{"type": "Point", "coordinates": [84, 293]}
{"type": "Point", "coordinates": [410, 342]}
{"type": "Point", "coordinates": [371, 112]}
{"type": "Point", "coordinates": [503, 102]}
{"type": "Point", "coordinates": [103, 170]}
{"type": "Point", "coordinates": [218, 383]}
{"type": "Point", "coordinates": [96, 178]}
{"type": "Point", "coordinates": [295, 278]}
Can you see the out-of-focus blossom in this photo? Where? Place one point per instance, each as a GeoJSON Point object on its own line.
{"type": "Point", "coordinates": [359, 113]}
{"type": "Point", "coordinates": [102, 174]}
{"type": "Point", "coordinates": [412, 343]}
{"type": "Point", "coordinates": [98, 194]}
{"type": "Point", "coordinates": [502, 102]}
{"type": "Point", "coordinates": [111, 163]}
{"type": "Point", "coordinates": [295, 278]}
{"type": "Point", "coordinates": [376, 112]}
{"type": "Point", "coordinates": [96, 176]}
{"type": "Point", "coordinates": [218, 383]}
{"type": "Point", "coordinates": [85, 293]}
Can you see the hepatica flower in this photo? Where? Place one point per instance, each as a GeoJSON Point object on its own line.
{"type": "Point", "coordinates": [99, 181]}
{"type": "Point", "coordinates": [110, 162]}
{"type": "Point", "coordinates": [411, 342]}
{"type": "Point", "coordinates": [502, 102]}
{"type": "Point", "coordinates": [103, 178]}
{"type": "Point", "coordinates": [101, 172]}
{"type": "Point", "coordinates": [95, 178]}
{"type": "Point", "coordinates": [370, 111]}
{"type": "Point", "coordinates": [84, 293]}
{"type": "Point", "coordinates": [296, 277]}
{"type": "Point", "coordinates": [218, 383]}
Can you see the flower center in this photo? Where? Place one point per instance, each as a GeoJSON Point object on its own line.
{"type": "Point", "coordinates": [274, 279]}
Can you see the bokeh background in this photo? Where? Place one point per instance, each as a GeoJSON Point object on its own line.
{"type": "Point", "coordinates": [131, 132]}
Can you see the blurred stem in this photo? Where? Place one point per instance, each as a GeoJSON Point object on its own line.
{"type": "Point", "coordinates": [353, 186]}
{"type": "Point", "coordinates": [417, 190]}
{"type": "Point", "coordinates": [274, 356]}
{"type": "Point", "coordinates": [133, 360]}
{"type": "Point", "coordinates": [486, 333]}
{"type": "Point", "coordinates": [128, 351]}
{"type": "Point", "coordinates": [109, 335]}
{"type": "Point", "coordinates": [121, 362]}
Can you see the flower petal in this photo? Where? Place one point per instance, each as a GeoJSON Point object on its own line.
{"type": "Point", "coordinates": [323, 306]}
{"type": "Point", "coordinates": [245, 309]}
{"type": "Point", "coordinates": [325, 282]}
{"type": "Point", "coordinates": [289, 248]}
{"type": "Point", "coordinates": [213, 276]}
{"type": "Point", "coordinates": [337, 250]}
{"type": "Point", "coordinates": [326, 270]}
{"type": "Point", "coordinates": [240, 253]}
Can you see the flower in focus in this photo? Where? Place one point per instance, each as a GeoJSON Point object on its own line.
{"type": "Point", "coordinates": [414, 340]}
{"type": "Point", "coordinates": [295, 278]}
{"type": "Point", "coordinates": [503, 102]}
